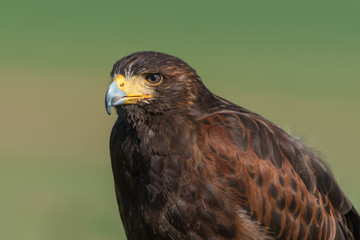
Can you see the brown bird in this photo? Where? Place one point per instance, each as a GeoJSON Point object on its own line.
{"type": "Point", "coordinates": [188, 164]}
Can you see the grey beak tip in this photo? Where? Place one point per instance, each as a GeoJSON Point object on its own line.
{"type": "Point", "coordinates": [113, 97]}
{"type": "Point", "coordinates": [108, 109]}
{"type": "Point", "coordinates": [108, 102]}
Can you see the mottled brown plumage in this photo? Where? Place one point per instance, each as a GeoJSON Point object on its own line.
{"type": "Point", "coordinates": [189, 165]}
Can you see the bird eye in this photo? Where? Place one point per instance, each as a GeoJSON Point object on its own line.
{"type": "Point", "coordinates": [153, 78]}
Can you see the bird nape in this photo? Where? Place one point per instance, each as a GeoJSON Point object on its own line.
{"type": "Point", "coordinates": [188, 164]}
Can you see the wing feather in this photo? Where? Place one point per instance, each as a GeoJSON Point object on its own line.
{"type": "Point", "coordinates": [279, 182]}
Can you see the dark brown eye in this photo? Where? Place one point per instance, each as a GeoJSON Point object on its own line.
{"type": "Point", "coordinates": [153, 78]}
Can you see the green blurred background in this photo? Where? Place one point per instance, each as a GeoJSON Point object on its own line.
{"type": "Point", "coordinates": [294, 62]}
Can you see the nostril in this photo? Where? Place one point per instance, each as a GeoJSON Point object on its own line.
{"type": "Point", "coordinates": [122, 85]}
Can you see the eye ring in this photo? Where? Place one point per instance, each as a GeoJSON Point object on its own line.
{"type": "Point", "coordinates": [154, 79]}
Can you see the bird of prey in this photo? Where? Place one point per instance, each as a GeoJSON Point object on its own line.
{"type": "Point", "coordinates": [188, 164]}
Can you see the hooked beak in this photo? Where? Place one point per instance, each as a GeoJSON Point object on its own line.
{"type": "Point", "coordinates": [114, 96]}
{"type": "Point", "coordinates": [125, 91]}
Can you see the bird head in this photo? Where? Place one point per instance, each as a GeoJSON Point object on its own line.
{"type": "Point", "coordinates": [150, 79]}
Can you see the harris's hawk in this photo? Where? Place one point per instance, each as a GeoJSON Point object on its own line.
{"type": "Point", "coordinates": [188, 164]}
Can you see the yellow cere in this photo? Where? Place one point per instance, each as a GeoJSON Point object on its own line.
{"type": "Point", "coordinates": [133, 88]}
{"type": "Point", "coordinates": [120, 80]}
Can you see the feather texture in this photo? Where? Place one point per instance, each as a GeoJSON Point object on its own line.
{"type": "Point", "coordinates": [191, 165]}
